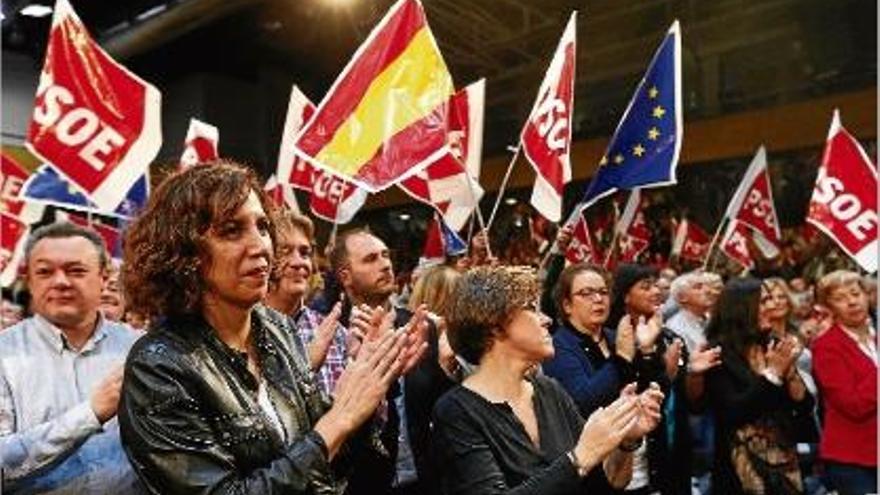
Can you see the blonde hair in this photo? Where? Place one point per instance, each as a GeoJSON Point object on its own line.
{"type": "Point", "coordinates": [835, 280]}
{"type": "Point", "coordinates": [434, 289]}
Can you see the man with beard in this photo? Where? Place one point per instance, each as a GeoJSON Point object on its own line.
{"type": "Point", "coordinates": [401, 464]}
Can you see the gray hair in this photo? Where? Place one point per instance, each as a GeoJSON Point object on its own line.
{"type": "Point", "coordinates": [685, 282]}
{"type": "Point", "coordinates": [63, 230]}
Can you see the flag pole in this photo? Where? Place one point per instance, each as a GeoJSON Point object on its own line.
{"type": "Point", "coordinates": [714, 240]}
{"type": "Point", "coordinates": [614, 235]}
{"type": "Point", "coordinates": [332, 240]}
{"type": "Point", "coordinates": [483, 227]}
{"type": "Point", "coordinates": [503, 185]}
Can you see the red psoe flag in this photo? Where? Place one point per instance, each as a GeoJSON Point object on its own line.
{"type": "Point", "coordinates": [753, 205]}
{"type": "Point", "coordinates": [844, 201]}
{"type": "Point", "coordinates": [690, 241]}
{"type": "Point", "coordinates": [385, 118]}
{"type": "Point", "coordinates": [735, 244]}
{"type": "Point", "coordinates": [635, 237]}
{"type": "Point", "coordinates": [546, 136]}
{"type": "Point", "coordinates": [331, 198]}
{"type": "Point", "coordinates": [580, 249]}
{"type": "Point", "coordinates": [12, 178]}
{"type": "Point", "coordinates": [450, 184]}
{"type": "Point", "coordinates": [201, 144]}
{"type": "Point", "coordinates": [292, 169]}
{"type": "Point", "coordinates": [95, 121]}
{"type": "Point", "coordinates": [13, 235]}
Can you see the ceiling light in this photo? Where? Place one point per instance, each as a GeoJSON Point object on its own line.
{"type": "Point", "coordinates": [510, 201]}
{"type": "Point", "coordinates": [36, 10]}
{"type": "Point", "coordinates": [404, 216]}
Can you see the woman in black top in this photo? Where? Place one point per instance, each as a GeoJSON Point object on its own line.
{"type": "Point", "coordinates": [756, 395]}
{"type": "Point", "coordinates": [217, 398]}
{"type": "Point", "coordinates": [506, 430]}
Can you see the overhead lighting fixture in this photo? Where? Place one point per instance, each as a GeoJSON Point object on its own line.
{"type": "Point", "coordinates": [36, 10]}
{"type": "Point", "coordinates": [404, 216]}
{"type": "Point", "coordinates": [158, 9]}
{"type": "Point", "coordinates": [510, 201]}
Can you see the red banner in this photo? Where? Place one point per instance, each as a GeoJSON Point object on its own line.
{"type": "Point", "coordinates": [735, 244]}
{"type": "Point", "coordinates": [95, 121]}
{"type": "Point", "coordinates": [546, 136]}
{"type": "Point", "coordinates": [13, 235]}
{"type": "Point", "coordinates": [12, 178]}
{"type": "Point", "coordinates": [201, 144]}
{"type": "Point", "coordinates": [331, 198]}
{"type": "Point", "coordinates": [450, 184]}
{"type": "Point", "coordinates": [753, 205]}
{"type": "Point", "coordinates": [690, 241]}
{"type": "Point", "coordinates": [844, 201]}
{"type": "Point", "coordinates": [580, 249]}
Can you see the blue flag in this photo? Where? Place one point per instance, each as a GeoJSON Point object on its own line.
{"type": "Point", "coordinates": [453, 244]}
{"type": "Point", "coordinates": [644, 149]}
{"type": "Point", "coordinates": [48, 186]}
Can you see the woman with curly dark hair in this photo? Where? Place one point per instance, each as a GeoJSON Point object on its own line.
{"type": "Point", "coordinates": [216, 397]}
{"type": "Point", "coordinates": [508, 430]}
{"type": "Point", "coordinates": [756, 395]}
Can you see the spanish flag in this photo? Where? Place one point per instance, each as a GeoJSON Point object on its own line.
{"type": "Point", "coordinates": [385, 117]}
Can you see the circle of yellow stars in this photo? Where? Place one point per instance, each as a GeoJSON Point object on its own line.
{"type": "Point", "coordinates": [638, 150]}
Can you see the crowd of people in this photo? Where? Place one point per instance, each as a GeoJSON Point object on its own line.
{"type": "Point", "coordinates": [221, 357]}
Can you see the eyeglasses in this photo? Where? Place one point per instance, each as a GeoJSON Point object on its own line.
{"type": "Point", "coordinates": [590, 293]}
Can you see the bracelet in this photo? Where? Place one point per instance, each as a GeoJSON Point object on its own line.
{"type": "Point", "coordinates": [632, 446]}
{"type": "Point", "coordinates": [575, 463]}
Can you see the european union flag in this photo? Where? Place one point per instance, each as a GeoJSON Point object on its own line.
{"type": "Point", "coordinates": [48, 186]}
{"type": "Point", "coordinates": [452, 242]}
{"type": "Point", "coordinates": [644, 149]}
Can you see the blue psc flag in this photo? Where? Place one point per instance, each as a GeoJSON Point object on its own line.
{"type": "Point", "coordinates": [644, 149]}
{"type": "Point", "coordinates": [46, 185]}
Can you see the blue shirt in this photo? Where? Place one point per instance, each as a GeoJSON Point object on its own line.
{"type": "Point", "coordinates": [50, 439]}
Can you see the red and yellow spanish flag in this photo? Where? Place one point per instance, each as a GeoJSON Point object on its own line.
{"type": "Point", "coordinates": [385, 117]}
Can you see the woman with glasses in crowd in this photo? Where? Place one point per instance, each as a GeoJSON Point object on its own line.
{"type": "Point", "coordinates": [507, 429]}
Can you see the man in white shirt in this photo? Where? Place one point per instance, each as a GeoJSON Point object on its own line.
{"type": "Point", "coordinates": [61, 374]}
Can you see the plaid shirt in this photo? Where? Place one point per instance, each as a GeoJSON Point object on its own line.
{"type": "Point", "coordinates": [306, 322]}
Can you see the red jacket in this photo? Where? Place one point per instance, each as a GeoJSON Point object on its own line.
{"type": "Point", "coordinates": [847, 381]}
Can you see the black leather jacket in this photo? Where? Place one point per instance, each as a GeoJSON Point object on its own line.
{"type": "Point", "coordinates": [190, 421]}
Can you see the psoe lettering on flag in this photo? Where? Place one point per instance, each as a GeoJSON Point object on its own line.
{"type": "Point", "coordinates": [98, 123]}
{"type": "Point", "coordinates": [12, 178]}
{"type": "Point", "coordinates": [735, 244]}
{"type": "Point", "coordinates": [385, 117]}
{"type": "Point", "coordinates": [201, 144]}
{"type": "Point", "coordinates": [13, 236]}
{"type": "Point", "coordinates": [844, 201]}
{"type": "Point", "coordinates": [331, 198]}
{"type": "Point", "coordinates": [753, 205]}
{"type": "Point", "coordinates": [546, 136]}
{"type": "Point", "coordinates": [644, 150]}
{"type": "Point", "coordinates": [580, 249]}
